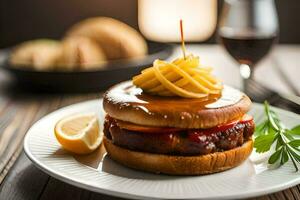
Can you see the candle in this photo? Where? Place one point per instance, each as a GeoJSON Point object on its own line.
{"type": "Point", "coordinates": [158, 20]}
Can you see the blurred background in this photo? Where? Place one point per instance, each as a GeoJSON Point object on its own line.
{"type": "Point", "coordinates": [81, 58]}
{"type": "Point", "coordinates": [29, 19]}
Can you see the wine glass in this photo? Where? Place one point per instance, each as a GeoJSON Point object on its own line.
{"type": "Point", "coordinates": [248, 29]}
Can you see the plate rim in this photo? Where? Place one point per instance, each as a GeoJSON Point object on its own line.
{"type": "Point", "coordinates": [58, 175]}
{"type": "Point", "coordinates": [74, 182]}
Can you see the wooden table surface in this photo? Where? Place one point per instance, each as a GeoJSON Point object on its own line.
{"type": "Point", "coordinates": [20, 179]}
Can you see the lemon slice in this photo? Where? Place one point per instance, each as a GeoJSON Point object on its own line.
{"type": "Point", "coordinates": [79, 133]}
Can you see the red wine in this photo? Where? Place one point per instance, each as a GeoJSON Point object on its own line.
{"type": "Point", "coordinates": [248, 50]}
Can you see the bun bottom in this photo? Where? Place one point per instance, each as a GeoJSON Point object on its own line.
{"type": "Point", "coordinates": [179, 165]}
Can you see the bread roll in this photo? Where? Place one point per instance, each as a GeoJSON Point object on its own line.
{"type": "Point", "coordinates": [81, 53]}
{"type": "Point", "coordinates": [117, 39]}
{"type": "Point", "coordinates": [41, 54]}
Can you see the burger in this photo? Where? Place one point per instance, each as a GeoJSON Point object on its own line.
{"type": "Point", "coordinates": [150, 130]}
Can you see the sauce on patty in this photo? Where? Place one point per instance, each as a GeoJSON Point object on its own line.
{"type": "Point", "coordinates": [180, 141]}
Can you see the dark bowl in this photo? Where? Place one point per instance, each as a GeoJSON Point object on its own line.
{"type": "Point", "coordinates": [86, 81]}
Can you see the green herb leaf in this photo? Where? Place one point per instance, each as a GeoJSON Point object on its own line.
{"type": "Point", "coordinates": [279, 143]}
{"type": "Point", "coordinates": [276, 118]}
{"type": "Point", "coordinates": [273, 131]}
{"type": "Point", "coordinates": [287, 135]}
{"type": "Point", "coordinates": [263, 143]}
{"type": "Point", "coordinates": [284, 157]}
{"type": "Point", "coordinates": [274, 157]}
{"type": "Point", "coordinates": [296, 156]}
{"type": "Point", "coordinates": [293, 158]}
{"type": "Point", "coordinates": [261, 129]}
{"type": "Point", "coordinates": [295, 143]}
{"type": "Point", "coordinates": [295, 130]}
{"type": "Point", "coordinates": [295, 149]}
{"type": "Point", "coordinates": [270, 117]}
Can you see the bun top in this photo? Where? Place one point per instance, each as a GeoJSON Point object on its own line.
{"type": "Point", "coordinates": [128, 103]}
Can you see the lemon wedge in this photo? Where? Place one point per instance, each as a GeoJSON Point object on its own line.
{"type": "Point", "coordinates": [79, 134]}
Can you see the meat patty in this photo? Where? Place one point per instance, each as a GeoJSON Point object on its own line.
{"type": "Point", "coordinates": [180, 142]}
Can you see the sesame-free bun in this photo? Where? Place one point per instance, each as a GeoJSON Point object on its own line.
{"type": "Point", "coordinates": [81, 53]}
{"type": "Point", "coordinates": [117, 39]}
{"type": "Point", "coordinates": [127, 103]}
{"type": "Point", "coordinates": [179, 165]}
{"type": "Point", "coordinates": [39, 54]}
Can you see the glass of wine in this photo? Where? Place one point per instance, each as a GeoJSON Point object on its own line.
{"type": "Point", "coordinates": [248, 29]}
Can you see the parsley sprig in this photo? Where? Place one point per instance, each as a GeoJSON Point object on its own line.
{"type": "Point", "coordinates": [273, 131]}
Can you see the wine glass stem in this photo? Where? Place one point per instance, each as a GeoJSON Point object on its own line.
{"type": "Point", "coordinates": [246, 74]}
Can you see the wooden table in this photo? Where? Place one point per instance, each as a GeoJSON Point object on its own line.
{"type": "Point", "coordinates": [19, 110]}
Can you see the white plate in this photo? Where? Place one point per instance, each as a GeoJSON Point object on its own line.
{"type": "Point", "coordinates": [250, 179]}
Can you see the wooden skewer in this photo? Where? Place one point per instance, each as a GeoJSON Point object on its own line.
{"type": "Point", "coordinates": [182, 39]}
